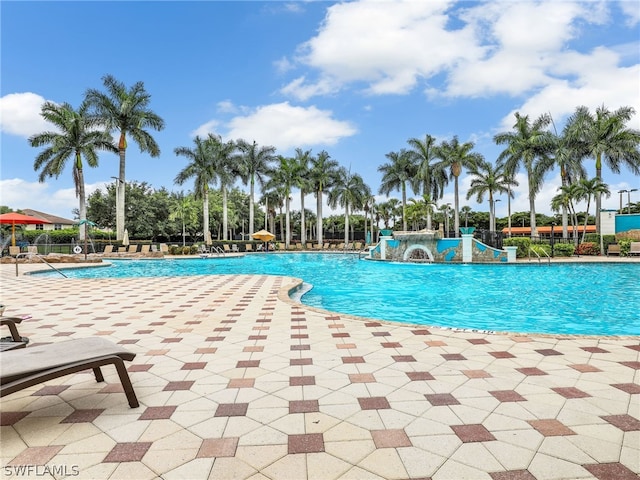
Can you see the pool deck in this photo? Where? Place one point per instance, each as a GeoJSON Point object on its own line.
{"type": "Point", "coordinates": [235, 381]}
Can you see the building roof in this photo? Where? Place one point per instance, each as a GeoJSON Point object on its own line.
{"type": "Point", "coordinates": [546, 230]}
{"type": "Point", "coordinates": [46, 216]}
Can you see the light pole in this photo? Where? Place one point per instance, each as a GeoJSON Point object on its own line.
{"type": "Point", "coordinates": [629, 199]}
{"type": "Point", "coordinates": [621, 192]}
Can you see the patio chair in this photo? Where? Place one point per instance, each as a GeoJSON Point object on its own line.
{"type": "Point", "coordinates": [144, 249]}
{"type": "Point", "coordinates": [634, 248]}
{"type": "Point", "coordinates": [164, 248]}
{"type": "Point", "coordinates": [26, 367]}
{"type": "Point", "coordinates": [122, 249]}
{"type": "Point", "coordinates": [14, 340]}
{"type": "Point", "coordinates": [132, 248]}
{"type": "Point", "coordinates": [108, 249]}
{"type": "Point", "coordinates": [226, 248]}
{"type": "Point", "coordinates": [154, 248]}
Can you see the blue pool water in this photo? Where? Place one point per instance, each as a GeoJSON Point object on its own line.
{"type": "Point", "coordinates": [591, 299]}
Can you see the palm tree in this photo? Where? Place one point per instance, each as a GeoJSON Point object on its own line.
{"type": "Point", "coordinates": [564, 201]}
{"type": "Point", "coordinates": [401, 169]}
{"type": "Point", "coordinates": [255, 163]}
{"type": "Point", "coordinates": [466, 210]}
{"type": "Point", "coordinates": [127, 112]}
{"type": "Point", "coordinates": [322, 175]}
{"type": "Point", "coordinates": [605, 137]}
{"type": "Point", "coordinates": [349, 191]}
{"type": "Point", "coordinates": [183, 207]}
{"type": "Point", "coordinates": [432, 180]}
{"type": "Point", "coordinates": [225, 163]}
{"type": "Point", "coordinates": [528, 143]}
{"type": "Point", "coordinates": [489, 179]}
{"type": "Point", "coordinates": [301, 160]}
{"type": "Point", "coordinates": [455, 156]}
{"type": "Point", "coordinates": [76, 138]}
{"type": "Point", "coordinates": [284, 176]}
{"type": "Point", "coordinates": [202, 169]}
{"type": "Point", "coordinates": [588, 189]}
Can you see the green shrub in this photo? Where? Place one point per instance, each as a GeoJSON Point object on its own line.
{"type": "Point", "coordinates": [564, 249]}
{"type": "Point", "coordinates": [625, 246]}
{"type": "Point", "coordinates": [523, 244]}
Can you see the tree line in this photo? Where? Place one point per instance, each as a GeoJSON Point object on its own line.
{"type": "Point", "coordinates": [426, 167]}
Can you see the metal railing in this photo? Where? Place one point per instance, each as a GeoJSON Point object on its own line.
{"type": "Point", "coordinates": [538, 255]}
{"type": "Point", "coordinates": [39, 257]}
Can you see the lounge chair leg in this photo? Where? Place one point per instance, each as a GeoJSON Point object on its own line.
{"type": "Point", "coordinates": [98, 373]}
{"type": "Point", "coordinates": [126, 384]}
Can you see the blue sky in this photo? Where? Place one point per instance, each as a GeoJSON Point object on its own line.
{"type": "Point", "coordinates": [357, 79]}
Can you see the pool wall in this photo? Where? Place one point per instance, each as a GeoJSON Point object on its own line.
{"type": "Point", "coordinates": [428, 248]}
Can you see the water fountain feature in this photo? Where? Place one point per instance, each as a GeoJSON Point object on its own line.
{"type": "Point", "coordinates": [429, 246]}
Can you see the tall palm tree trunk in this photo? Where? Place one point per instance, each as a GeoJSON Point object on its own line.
{"type": "Point", "coordinates": [404, 206]}
{"type": "Point", "coordinates": [287, 240]}
{"type": "Point", "coordinates": [120, 190]}
{"type": "Point", "coordinates": [225, 219]}
{"type": "Point", "coordinates": [251, 201]}
{"type": "Point", "coordinates": [456, 209]}
{"type": "Point", "coordinates": [346, 224]}
{"type": "Point", "coordinates": [205, 213]}
{"type": "Point", "coordinates": [303, 231]}
{"type": "Point", "coordinates": [319, 216]}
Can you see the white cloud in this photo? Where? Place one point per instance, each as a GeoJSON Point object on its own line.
{"type": "Point", "coordinates": [205, 129]}
{"type": "Point", "coordinates": [285, 126]}
{"type": "Point", "coordinates": [18, 194]}
{"type": "Point", "coordinates": [20, 114]}
{"type": "Point", "coordinates": [631, 10]}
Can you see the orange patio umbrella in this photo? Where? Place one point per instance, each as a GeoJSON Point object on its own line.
{"type": "Point", "coordinates": [14, 218]}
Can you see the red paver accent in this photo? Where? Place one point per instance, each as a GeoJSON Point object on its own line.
{"type": "Point", "coordinates": [194, 366]}
{"type": "Point", "coordinates": [610, 471]}
{"type": "Point", "coordinates": [174, 386]}
{"type": "Point", "coordinates": [392, 438]}
{"type": "Point", "coordinates": [391, 345]}
{"type": "Point", "coordinates": [403, 358]}
{"type": "Point", "coordinates": [306, 443]}
{"type": "Point", "coordinates": [634, 365]}
{"type": "Point", "coordinates": [594, 350]}
{"type": "Point", "coordinates": [374, 403]}
{"type": "Point", "coordinates": [508, 396]}
{"type": "Point", "coordinates": [300, 381]}
{"type": "Point", "coordinates": [51, 390]}
{"type": "Point", "coordinates": [422, 331]}
{"type": "Point", "coordinates": [502, 355]}
{"type": "Point", "coordinates": [303, 406]}
{"type": "Point", "coordinates": [512, 475]}
{"type": "Point", "coordinates": [362, 378]}
{"type": "Point", "coordinates": [549, 352]}
{"type": "Point", "coordinates": [248, 364]}
{"type": "Point", "coordinates": [625, 422]}
{"type": "Point", "coordinates": [158, 413]}
{"type": "Point", "coordinates": [472, 433]}
{"type": "Point", "coordinates": [453, 356]}
{"type": "Point", "coordinates": [381, 334]}
{"type": "Point", "coordinates": [477, 374]}
{"type": "Point", "coordinates": [551, 428]}
{"type": "Point", "coordinates": [11, 418]}
{"type": "Point", "coordinates": [301, 361]}
{"type": "Point", "coordinates": [478, 341]}
{"type": "Point", "coordinates": [140, 368]}
{"type": "Point", "coordinates": [630, 388]}
{"type": "Point", "coordinates": [418, 376]}
{"type": "Point", "coordinates": [440, 399]}
{"type": "Point", "coordinates": [231, 410]}
{"type": "Point", "coordinates": [570, 392]}
{"type": "Point", "coordinates": [300, 347]}
{"type": "Point", "coordinates": [206, 350]}
{"type": "Point", "coordinates": [83, 416]}
{"type": "Point", "coordinates": [585, 368]}
{"type": "Point", "coordinates": [531, 371]}
{"type": "Point", "coordinates": [353, 360]}
{"type": "Point", "coordinates": [218, 447]}
{"type": "Point", "coordinates": [127, 452]}
{"type": "Point", "coordinates": [36, 455]}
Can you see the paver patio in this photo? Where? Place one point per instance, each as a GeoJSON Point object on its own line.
{"type": "Point", "coordinates": [236, 381]}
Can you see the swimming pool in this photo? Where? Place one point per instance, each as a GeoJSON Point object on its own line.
{"type": "Point", "coordinates": [591, 299]}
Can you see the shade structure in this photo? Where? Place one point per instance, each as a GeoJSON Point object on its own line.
{"type": "Point", "coordinates": [263, 236]}
{"type": "Point", "coordinates": [14, 218]}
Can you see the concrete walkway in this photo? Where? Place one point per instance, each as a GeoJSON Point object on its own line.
{"type": "Point", "coordinates": [236, 381]}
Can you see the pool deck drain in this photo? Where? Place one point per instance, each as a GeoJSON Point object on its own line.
{"type": "Point", "coordinates": [236, 382]}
